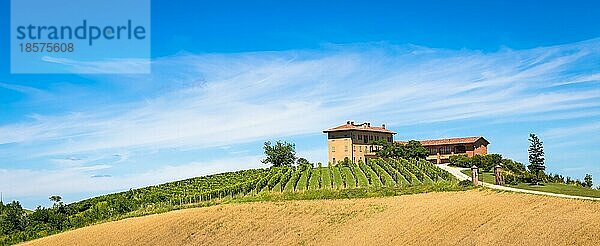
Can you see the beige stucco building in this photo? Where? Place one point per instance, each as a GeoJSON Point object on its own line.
{"type": "Point", "coordinates": [354, 142]}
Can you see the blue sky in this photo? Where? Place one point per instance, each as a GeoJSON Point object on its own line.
{"type": "Point", "coordinates": [227, 76]}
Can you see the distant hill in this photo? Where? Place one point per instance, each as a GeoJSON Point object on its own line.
{"type": "Point", "coordinates": [471, 217]}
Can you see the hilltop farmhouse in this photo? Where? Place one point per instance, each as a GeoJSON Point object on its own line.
{"type": "Point", "coordinates": [355, 142]}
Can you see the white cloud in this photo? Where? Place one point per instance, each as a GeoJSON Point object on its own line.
{"type": "Point", "coordinates": [252, 96]}
{"type": "Point", "coordinates": [44, 183]}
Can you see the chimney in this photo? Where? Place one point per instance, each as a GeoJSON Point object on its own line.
{"type": "Point", "coordinates": [383, 126]}
{"type": "Point", "coordinates": [352, 122]}
{"type": "Point", "coordinates": [369, 124]}
{"type": "Point", "coordinates": [347, 122]}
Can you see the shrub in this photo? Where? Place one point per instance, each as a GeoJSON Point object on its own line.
{"type": "Point", "coordinates": [460, 161]}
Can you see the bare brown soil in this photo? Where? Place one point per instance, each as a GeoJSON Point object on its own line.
{"type": "Point", "coordinates": [450, 218]}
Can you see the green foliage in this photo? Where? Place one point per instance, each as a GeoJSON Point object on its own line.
{"type": "Point", "coordinates": [409, 150]}
{"type": "Point", "coordinates": [536, 156]}
{"type": "Point", "coordinates": [361, 179]}
{"type": "Point", "coordinates": [303, 181]}
{"type": "Point", "coordinates": [337, 177]}
{"type": "Point", "coordinates": [314, 182]}
{"type": "Point", "coordinates": [349, 180]}
{"type": "Point", "coordinates": [371, 175]}
{"type": "Point", "coordinates": [588, 181]}
{"type": "Point", "coordinates": [17, 226]}
{"type": "Point", "coordinates": [291, 184]}
{"type": "Point", "coordinates": [326, 182]}
{"type": "Point", "coordinates": [385, 178]}
{"type": "Point", "coordinates": [280, 154]}
{"type": "Point", "coordinates": [460, 161]}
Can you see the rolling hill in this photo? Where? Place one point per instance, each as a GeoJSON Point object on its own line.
{"type": "Point", "coordinates": [377, 178]}
{"type": "Point", "coordinates": [473, 217]}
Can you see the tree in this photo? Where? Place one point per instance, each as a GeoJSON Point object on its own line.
{"type": "Point", "coordinates": [280, 154]}
{"type": "Point", "coordinates": [536, 156]}
{"type": "Point", "coordinates": [412, 149]}
{"type": "Point", "coordinates": [55, 199]}
{"type": "Point", "coordinates": [588, 180]}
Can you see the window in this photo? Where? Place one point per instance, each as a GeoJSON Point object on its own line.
{"type": "Point", "coordinates": [371, 137]}
{"type": "Point", "coordinates": [332, 148]}
{"type": "Point", "coordinates": [389, 139]}
{"type": "Point", "coordinates": [359, 137]}
{"type": "Point", "coordinates": [360, 148]}
{"type": "Point", "coordinates": [353, 148]}
{"type": "Point", "coordinates": [346, 148]}
{"type": "Point", "coordinates": [444, 150]}
{"type": "Point", "coordinates": [432, 151]}
{"type": "Point", "coordinates": [460, 149]}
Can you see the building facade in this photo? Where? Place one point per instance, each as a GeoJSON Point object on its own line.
{"type": "Point", "coordinates": [354, 142]}
{"type": "Point", "coordinates": [440, 150]}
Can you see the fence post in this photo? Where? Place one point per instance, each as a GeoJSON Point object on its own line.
{"type": "Point", "coordinates": [474, 175]}
{"type": "Point", "coordinates": [498, 175]}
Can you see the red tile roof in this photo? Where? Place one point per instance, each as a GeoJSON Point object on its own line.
{"type": "Point", "coordinates": [445, 141]}
{"type": "Point", "coordinates": [359, 127]}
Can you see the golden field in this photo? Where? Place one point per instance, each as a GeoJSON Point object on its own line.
{"type": "Point", "coordinates": [476, 217]}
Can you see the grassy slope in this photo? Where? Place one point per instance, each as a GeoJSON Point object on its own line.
{"type": "Point", "coordinates": [558, 188]}
{"type": "Point", "coordinates": [205, 190]}
{"type": "Point", "coordinates": [566, 189]}
{"type": "Point", "coordinates": [422, 219]}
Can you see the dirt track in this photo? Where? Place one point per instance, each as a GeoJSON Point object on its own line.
{"type": "Point", "coordinates": [463, 218]}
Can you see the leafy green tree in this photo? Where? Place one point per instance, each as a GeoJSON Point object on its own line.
{"type": "Point", "coordinates": [12, 218]}
{"type": "Point", "coordinates": [303, 162]}
{"type": "Point", "coordinates": [460, 161]}
{"type": "Point", "coordinates": [280, 154]}
{"type": "Point", "coordinates": [410, 150]}
{"type": "Point", "coordinates": [55, 199]}
{"type": "Point", "coordinates": [536, 156]}
{"type": "Point", "coordinates": [414, 149]}
{"type": "Point", "coordinates": [488, 162]}
{"type": "Point", "coordinates": [588, 180]}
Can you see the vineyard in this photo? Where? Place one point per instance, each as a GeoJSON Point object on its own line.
{"type": "Point", "coordinates": [377, 173]}
{"type": "Point", "coordinates": [376, 176]}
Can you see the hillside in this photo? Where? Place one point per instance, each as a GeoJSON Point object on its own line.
{"type": "Point", "coordinates": [378, 178]}
{"type": "Point", "coordinates": [463, 218]}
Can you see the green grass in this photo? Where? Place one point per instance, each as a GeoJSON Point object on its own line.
{"type": "Point", "coordinates": [349, 177]}
{"type": "Point", "coordinates": [315, 179]}
{"type": "Point", "coordinates": [360, 176]}
{"type": "Point", "coordinates": [338, 183]}
{"type": "Point", "coordinates": [566, 189]}
{"type": "Point", "coordinates": [371, 175]}
{"type": "Point", "coordinates": [558, 188]}
{"type": "Point", "coordinates": [326, 178]}
{"type": "Point", "coordinates": [484, 176]}
{"type": "Point", "coordinates": [303, 181]}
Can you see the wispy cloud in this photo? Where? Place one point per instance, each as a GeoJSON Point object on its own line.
{"type": "Point", "coordinates": [28, 182]}
{"type": "Point", "coordinates": [212, 100]}
{"type": "Point", "coordinates": [249, 96]}
{"type": "Point", "coordinates": [112, 66]}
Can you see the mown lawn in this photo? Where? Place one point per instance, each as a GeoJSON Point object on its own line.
{"type": "Point", "coordinates": [485, 177]}
{"type": "Point", "coordinates": [557, 188]}
{"type": "Point", "coordinates": [566, 189]}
